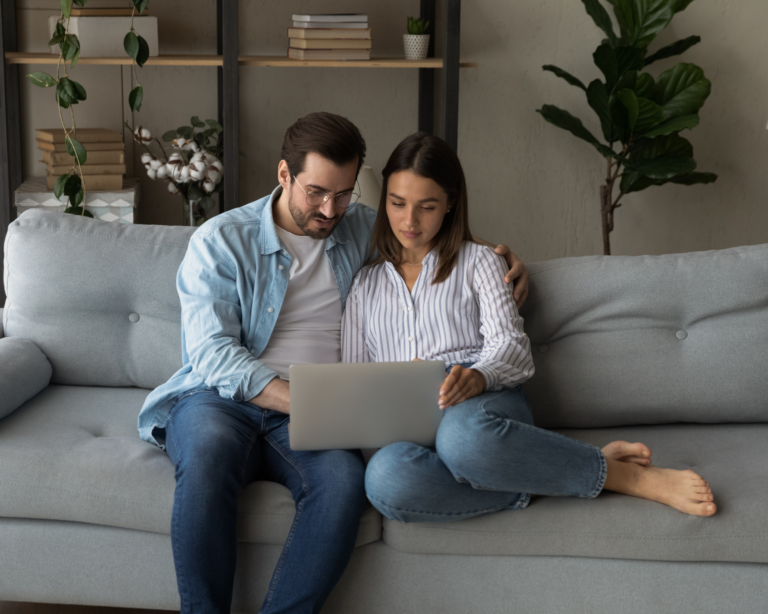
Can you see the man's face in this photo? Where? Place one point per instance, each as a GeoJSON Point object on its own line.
{"type": "Point", "coordinates": [320, 175]}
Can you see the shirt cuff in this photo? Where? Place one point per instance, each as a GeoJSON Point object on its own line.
{"type": "Point", "coordinates": [491, 376]}
{"type": "Point", "coordinates": [250, 384]}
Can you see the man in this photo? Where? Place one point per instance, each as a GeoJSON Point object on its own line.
{"type": "Point", "coordinates": [263, 287]}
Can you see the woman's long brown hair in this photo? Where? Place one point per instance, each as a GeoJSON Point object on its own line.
{"type": "Point", "coordinates": [431, 157]}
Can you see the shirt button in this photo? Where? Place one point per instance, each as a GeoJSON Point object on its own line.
{"type": "Point", "coordinates": [410, 308]}
{"type": "Point", "coordinates": [410, 338]}
{"type": "Point", "coordinates": [280, 266]}
{"type": "Point", "coordinates": [270, 310]}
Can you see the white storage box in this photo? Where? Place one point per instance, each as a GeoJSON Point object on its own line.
{"type": "Point", "coordinates": [107, 205]}
{"type": "Point", "coordinates": [102, 37]}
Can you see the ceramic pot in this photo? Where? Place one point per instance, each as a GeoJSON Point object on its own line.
{"type": "Point", "coordinates": [416, 46]}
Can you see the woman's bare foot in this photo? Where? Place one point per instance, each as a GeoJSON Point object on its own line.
{"type": "Point", "coordinates": [628, 452]}
{"type": "Point", "coordinates": [685, 490]}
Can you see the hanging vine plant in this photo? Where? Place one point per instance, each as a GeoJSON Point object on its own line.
{"type": "Point", "coordinates": [69, 93]}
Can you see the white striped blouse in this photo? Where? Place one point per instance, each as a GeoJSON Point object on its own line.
{"type": "Point", "coordinates": [471, 317]}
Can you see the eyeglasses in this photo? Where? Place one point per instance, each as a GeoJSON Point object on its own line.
{"type": "Point", "coordinates": [315, 198]}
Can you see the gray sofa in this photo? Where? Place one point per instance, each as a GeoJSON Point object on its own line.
{"type": "Point", "coordinates": [668, 350]}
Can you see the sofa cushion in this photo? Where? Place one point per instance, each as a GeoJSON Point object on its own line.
{"type": "Point", "coordinates": [731, 457]}
{"type": "Point", "coordinates": [73, 453]}
{"type": "Point", "coordinates": [24, 371]}
{"type": "Point", "coordinates": [621, 340]}
{"type": "Point", "coordinates": [115, 317]}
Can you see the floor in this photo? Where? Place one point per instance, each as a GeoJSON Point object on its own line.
{"type": "Point", "coordinates": [15, 607]}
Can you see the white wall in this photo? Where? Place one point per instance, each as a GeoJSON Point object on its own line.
{"type": "Point", "coordinates": [532, 185]}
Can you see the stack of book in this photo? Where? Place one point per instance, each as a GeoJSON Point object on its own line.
{"type": "Point", "coordinates": [105, 156]}
{"type": "Point", "coordinates": [330, 37]}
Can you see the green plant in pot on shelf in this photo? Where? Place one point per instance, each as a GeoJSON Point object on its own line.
{"type": "Point", "coordinates": [641, 116]}
{"type": "Point", "coordinates": [69, 92]}
{"type": "Point", "coordinates": [416, 42]}
{"type": "Point", "coordinates": [194, 170]}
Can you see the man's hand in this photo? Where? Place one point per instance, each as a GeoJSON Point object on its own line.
{"type": "Point", "coordinates": [275, 395]}
{"type": "Point", "coordinates": [460, 384]}
{"type": "Point", "coordinates": [517, 271]}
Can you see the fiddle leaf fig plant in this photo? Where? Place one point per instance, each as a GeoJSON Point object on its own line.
{"type": "Point", "coordinates": [641, 116]}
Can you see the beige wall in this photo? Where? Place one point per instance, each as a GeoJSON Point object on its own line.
{"type": "Point", "coordinates": [532, 185]}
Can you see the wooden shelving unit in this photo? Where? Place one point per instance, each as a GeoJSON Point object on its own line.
{"type": "Point", "coordinates": [228, 61]}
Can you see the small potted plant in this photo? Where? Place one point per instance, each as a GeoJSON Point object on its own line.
{"type": "Point", "coordinates": [416, 42]}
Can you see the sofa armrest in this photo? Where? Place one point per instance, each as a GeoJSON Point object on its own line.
{"type": "Point", "coordinates": [24, 371]}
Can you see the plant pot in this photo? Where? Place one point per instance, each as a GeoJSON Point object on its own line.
{"type": "Point", "coordinates": [416, 46]}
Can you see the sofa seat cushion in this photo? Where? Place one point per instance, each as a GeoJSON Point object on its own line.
{"type": "Point", "coordinates": [74, 453]}
{"type": "Point", "coordinates": [731, 457]}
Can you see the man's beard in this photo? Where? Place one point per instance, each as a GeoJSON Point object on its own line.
{"type": "Point", "coordinates": [302, 220]}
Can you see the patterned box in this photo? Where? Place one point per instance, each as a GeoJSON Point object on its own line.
{"type": "Point", "coordinates": [107, 205]}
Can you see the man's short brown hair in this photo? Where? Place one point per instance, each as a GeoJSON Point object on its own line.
{"type": "Point", "coordinates": [332, 136]}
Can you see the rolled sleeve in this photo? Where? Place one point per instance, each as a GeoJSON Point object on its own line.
{"type": "Point", "coordinates": [207, 284]}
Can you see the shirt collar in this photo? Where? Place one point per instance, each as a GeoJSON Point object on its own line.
{"type": "Point", "coordinates": [270, 243]}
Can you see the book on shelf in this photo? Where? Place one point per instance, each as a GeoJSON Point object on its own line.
{"type": "Point", "coordinates": [78, 12]}
{"type": "Point", "coordinates": [339, 25]}
{"type": "Point", "coordinates": [330, 43]}
{"type": "Point", "coordinates": [340, 17]}
{"type": "Point", "coordinates": [84, 135]}
{"type": "Point", "coordinates": [329, 54]}
{"type": "Point", "coordinates": [93, 157]}
{"type": "Point", "coordinates": [92, 182]}
{"type": "Point", "coordinates": [333, 33]}
{"type": "Point", "coordinates": [89, 147]}
{"type": "Point", "coordinates": [88, 169]}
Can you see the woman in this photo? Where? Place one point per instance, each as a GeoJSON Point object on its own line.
{"type": "Point", "coordinates": [430, 293]}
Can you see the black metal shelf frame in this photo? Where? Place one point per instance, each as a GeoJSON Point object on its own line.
{"type": "Point", "coordinates": [228, 98]}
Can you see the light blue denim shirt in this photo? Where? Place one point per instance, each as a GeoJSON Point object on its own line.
{"type": "Point", "coordinates": [231, 284]}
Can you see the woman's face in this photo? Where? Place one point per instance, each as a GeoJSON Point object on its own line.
{"type": "Point", "coordinates": [416, 207]}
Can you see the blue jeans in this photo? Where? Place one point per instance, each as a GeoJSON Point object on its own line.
{"type": "Point", "coordinates": [488, 457]}
{"type": "Point", "coordinates": [217, 447]}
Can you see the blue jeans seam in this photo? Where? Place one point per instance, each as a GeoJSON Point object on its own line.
{"type": "Point", "coordinates": [601, 477]}
{"type": "Point", "coordinates": [401, 509]}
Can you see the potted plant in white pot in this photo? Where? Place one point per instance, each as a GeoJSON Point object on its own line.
{"type": "Point", "coordinates": [416, 43]}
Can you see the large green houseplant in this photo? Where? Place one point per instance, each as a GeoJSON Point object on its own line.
{"type": "Point", "coordinates": [641, 116]}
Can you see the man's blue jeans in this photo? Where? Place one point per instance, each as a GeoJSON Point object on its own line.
{"type": "Point", "coordinates": [218, 446]}
{"type": "Point", "coordinates": [488, 457]}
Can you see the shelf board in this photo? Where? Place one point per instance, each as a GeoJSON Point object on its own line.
{"type": "Point", "coordinates": [17, 57]}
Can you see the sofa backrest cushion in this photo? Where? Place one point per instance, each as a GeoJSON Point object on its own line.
{"type": "Point", "coordinates": [98, 298]}
{"type": "Point", "coordinates": [620, 340]}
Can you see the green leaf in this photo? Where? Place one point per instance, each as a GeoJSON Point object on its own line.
{"type": "Point", "coordinates": [207, 203]}
{"type": "Point", "coordinates": [681, 90]}
{"type": "Point", "coordinates": [66, 8]}
{"type": "Point", "coordinates": [200, 139]}
{"type": "Point", "coordinates": [693, 178]}
{"type": "Point", "coordinates": [566, 121]}
{"type": "Point", "coordinates": [58, 188]}
{"type": "Point", "coordinates": [41, 79]}
{"type": "Point", "coordinates": [680, 5]}
{"type": "Point", "coordinates": [77, 199]}
{"type": "Point", "coordinates": [70, 46]}
{"type": "Point", "coordinates": [674, 125]}
{"type": "Point", "coordinates": [644, 86]}
{"type": "Point", "coordinates": [78, 211]}
{"type": "Point", "coordinates": [72, 185]}
{"type": "Point", "coordinates": [629, 58]}
{"type": "Point", "coordinates": [597, 97]}
{"type": "Point", "coordinates": [69, 88]}
{"type": "Point", "coordinates": [169, 136]}
{"type": "Point", "coordinates": [649, 116]}
{"type": "Point", "coordinates": [75, 149]}
{"type": "Point", "coordinates": [131, 45]}
{"type": "Point", "coordinates": [80, 2]}
{"type": "Point", "coordinates": [670, 145]}
{"type": "Point", "coordinates": [641, 20]}
{"type": "Point", "coordinates": [143, 54]}
{"type": "Point", "coordinates": [56, 39]}
{"type": "Point", "coordinates": [629, 100]}
{"type": "Point", "coordinates": [140, 5]}
{"type": "Point", "coordinates": [66, 93]}
{"type": "Point", "coordinates": [214, 124]}
{"type": "Point", "coordinates": [674, 49]}
{"type": "Point", "coordinates": [185, 131]}
{"type": "Point", "coordinates": [601, 18]}
{"type": "Point", "coordinates": [663, 167]}
{"type": "Point", "coordinates": [75, 58]}
{"type": "Point", "coordinates": [79, 90]}
{"type": "Point", "coordinates": [194, 193]}
{"type": "Point", "coordinates": [196, 122]}
{"type": "Point", "coordinates": [564, 75]}
{"type": "Point", "coordinates": [605, 59]}
{"type": "Point", "coordinates": [135, 98]}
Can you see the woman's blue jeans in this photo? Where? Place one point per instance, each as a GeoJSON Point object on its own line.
{"type": "Point", "coordinates": [488, 457]}
{"type": "Point", "coordinates": [217, 447]}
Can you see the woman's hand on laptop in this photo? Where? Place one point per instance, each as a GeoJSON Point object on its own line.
{"type": "Point", "coordinates": [460, 384]}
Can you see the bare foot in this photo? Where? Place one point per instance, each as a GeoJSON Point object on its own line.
{"type": "Point", "coordinates": [628, 452]}
{"type": "Point", "coordinates": [685, 490]}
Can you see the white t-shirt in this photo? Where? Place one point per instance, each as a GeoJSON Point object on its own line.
{"type": "Point", "coordinates": [308, 329]}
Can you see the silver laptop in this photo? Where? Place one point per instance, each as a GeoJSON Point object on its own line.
{"type": "Point", "coordinates": [364, 405]}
